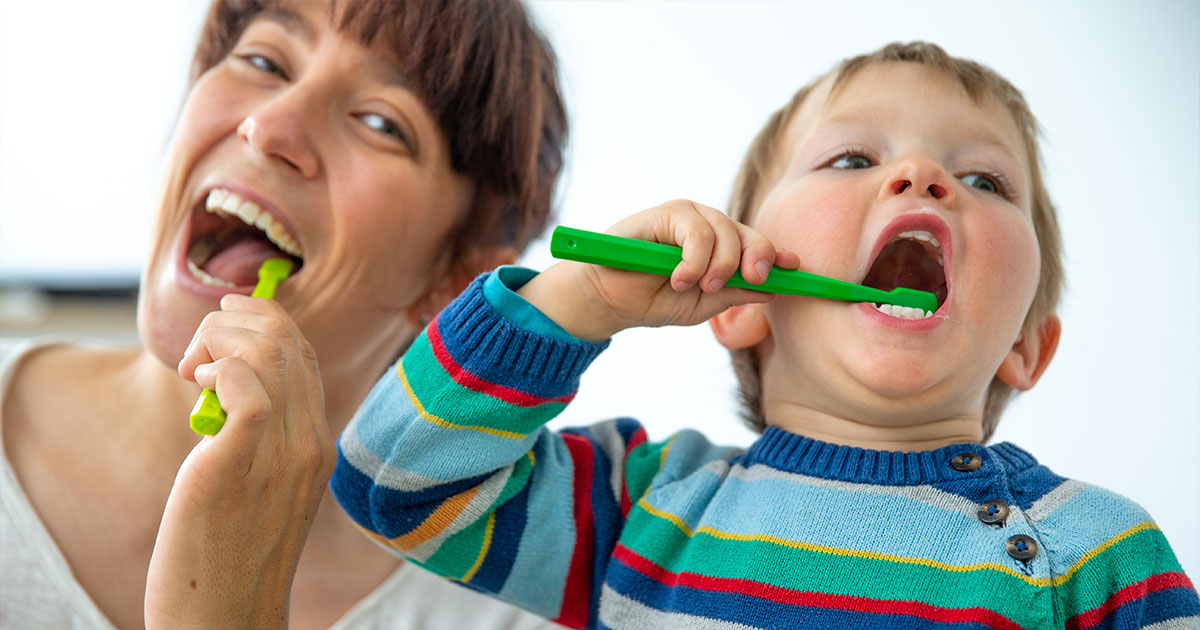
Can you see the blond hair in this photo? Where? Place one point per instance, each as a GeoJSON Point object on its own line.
{"type": "Point", "coordinates": [980, 83]}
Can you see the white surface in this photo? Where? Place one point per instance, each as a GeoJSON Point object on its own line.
{"type": "Point", "coordinates": [664, 98]}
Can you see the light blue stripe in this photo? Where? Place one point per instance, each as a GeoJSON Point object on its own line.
{"type": "Point", "coordinates": [539, 571]}
{"type": "Point", "coordinates": [840, 518]}
{"type": "Point", "coordinates": [389, 427]}
{"type": "Point", "coordinates": [1087, 520]}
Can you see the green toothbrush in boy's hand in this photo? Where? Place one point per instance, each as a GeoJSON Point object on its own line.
{"type": "Point", "coordinates": [637, 255]}
{"type": "Point", "coordinates": [207, 416]}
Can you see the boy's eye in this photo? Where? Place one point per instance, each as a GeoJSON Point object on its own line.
{"type": "Point", "coordinates": [984, 183]}
{"type": "Point", "coordinates": [851, 162]}
{"type": "Point", "coordinates": [264, 64]}
{"type": "Point", "coordinates": [386, 126]}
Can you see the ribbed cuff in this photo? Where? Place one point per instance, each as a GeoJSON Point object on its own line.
{"type": "Point", "coordinates": [493, 348]}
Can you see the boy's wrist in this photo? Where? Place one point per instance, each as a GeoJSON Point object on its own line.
{"type": "Point", "coordinates": [566, 295]}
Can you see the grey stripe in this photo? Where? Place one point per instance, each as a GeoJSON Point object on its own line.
{"type": "Point", "coordinates": [1054, 499]}
{"type": "Point", "coordinates": [618, 611]}
{"type": "Point", "coordinates": [381, 474]}
{"type": "Point", "coordinates": [611, 444]}
{"type": "Point", "coordinates": [1178, 623]}
{"type": "Point", "coordinates": [489, 490]}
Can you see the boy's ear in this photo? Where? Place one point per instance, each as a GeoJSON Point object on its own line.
{"type": "Point", "coordinates": [456, 278]}
{"type": "Point", "coordinates": [738, 327]}
{"type": "Point", "coordinates": [1031, 354]}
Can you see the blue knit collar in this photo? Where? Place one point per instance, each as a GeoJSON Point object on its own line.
{"type": "Point", "coordinates": [796, 453]}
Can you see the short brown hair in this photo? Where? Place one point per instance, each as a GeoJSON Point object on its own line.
{"type": "Point", "coordinates": [980, 83]}
{"type": "Point", "coordinates": [488, 77]}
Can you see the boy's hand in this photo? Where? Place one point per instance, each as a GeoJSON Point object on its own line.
{"type": "Point", "coordinates": [244, 499]}
{"type": "Point", "coordinates": [594, 302]}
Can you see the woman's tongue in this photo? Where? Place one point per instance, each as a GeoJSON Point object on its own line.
{"type": "Point", "coordinates": [239, 259]}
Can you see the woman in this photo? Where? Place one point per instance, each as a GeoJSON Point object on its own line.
{"type": "Point", "coordinates": [392, 150]}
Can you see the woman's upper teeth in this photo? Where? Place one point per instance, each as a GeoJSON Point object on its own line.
{"type": "Point", "coordinates": [222, 201]}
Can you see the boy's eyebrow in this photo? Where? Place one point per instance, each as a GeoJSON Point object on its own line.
{"type": "Point", "coordinates": [984, 137]}
{"type": "Point", "coordinates": [291, 21]}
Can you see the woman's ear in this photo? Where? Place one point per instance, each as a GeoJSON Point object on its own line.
{"type": "Point", "coordinates": [738, 327]}
{"type": "Point", "coordinates": [1031, 354]}
{"type": "Point", "coordinates": [457, 276]}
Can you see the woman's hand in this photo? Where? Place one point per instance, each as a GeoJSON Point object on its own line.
{"type": "Point", "coordinates": [594, 302]}
{"type": "Point", "coordinates": [243, 500]}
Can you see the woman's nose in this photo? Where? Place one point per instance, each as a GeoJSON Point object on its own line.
{"type": "Point", "coordinates": [921, 177]}
{"type": "Point", "coordinates": [276, 130]}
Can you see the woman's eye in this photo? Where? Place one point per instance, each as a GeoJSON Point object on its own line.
{"type": "Point", "coordinates": [982, 182]}
{"type": "Point", "coordinates": [266, 65]}
{"type": "Point", "coordinates": [384, 125]}
{"type": "Point", "coordinates": [851, 162]}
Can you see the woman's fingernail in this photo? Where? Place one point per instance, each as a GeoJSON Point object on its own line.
{"type": "Point", "coordinates": [679, 285]}
{"type": "Point", "coordinates": [763, 268]}
{"type": "Point", "coordinates": [715, 284]}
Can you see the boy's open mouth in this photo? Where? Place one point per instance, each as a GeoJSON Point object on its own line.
{"type": "Point", "coordinates": [231, 237]}
{"type": "Point", "coordinates": [910, 259]}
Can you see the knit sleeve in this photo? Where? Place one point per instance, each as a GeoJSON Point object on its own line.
{"type": "Point", "coordinates": [1113, 567]}
{"type": "Point", "coordinates": [447, 463]}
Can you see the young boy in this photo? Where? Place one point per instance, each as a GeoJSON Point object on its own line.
{"type": "Point", "coordinates": [870, 501]}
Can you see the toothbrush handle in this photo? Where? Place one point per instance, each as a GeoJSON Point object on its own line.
{"type": "Point", "coordinates": [645, 256]}
{"type": "Point", "coordinates": [658, 258]}
{"type": "Point", "coordinates": [208, 416]}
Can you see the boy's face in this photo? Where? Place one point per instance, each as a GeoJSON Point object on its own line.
{"type": "Point", "coordinates": [899, 179]}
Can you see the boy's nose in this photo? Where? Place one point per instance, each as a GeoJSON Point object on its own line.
{"type": "Point", "coordinates": [920, 177]}
{"type": "Point", "coordinates": [276, 130]}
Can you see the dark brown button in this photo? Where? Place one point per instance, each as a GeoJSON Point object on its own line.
{"type": "Point", "coordinates": [966, 462]}
{"type": "Point", "coordinates": [1021, 547]}
{"type": "Point", "coordinates": [994, 511]}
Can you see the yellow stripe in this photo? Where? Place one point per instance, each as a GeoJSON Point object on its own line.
{"type": "Point", "coordinates": [512, 435]}
{"type": "Point", "coordinates": [440, 519]}
{"type": "Point", "coordinates": [1058, 581]}
{"type": "Point", "coordinates": [483, 549]}
{"type": "Point", "coordinates": [854, 553]}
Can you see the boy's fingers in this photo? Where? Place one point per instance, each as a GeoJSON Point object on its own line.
{"type": "Point", "coordinates": [726, 252]}
{"type": "Point", "coordinates": [787, 259]}
{"type": "Point", "coordinates": [757, 255]}
{"type": "Point", "coordinates": [696, 237]}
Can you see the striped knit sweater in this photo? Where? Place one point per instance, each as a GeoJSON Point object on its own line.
{"type": "Point", "coordinates": [448, 464]}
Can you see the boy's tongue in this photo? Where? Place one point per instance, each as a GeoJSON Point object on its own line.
{"type": "Point", "coordinates": [239, 258]}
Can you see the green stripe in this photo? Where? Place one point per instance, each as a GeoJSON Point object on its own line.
{"type": "Point", "coordinates": [1134, 559]}
{"type": "Point", "coordinates": [458, 553]}
{"type": "Point", "coordinates": [664, 544]}
{"type": "Point", "coordinates": [642, 464]}
{"type": "Point", "coordinates": [445, 398]}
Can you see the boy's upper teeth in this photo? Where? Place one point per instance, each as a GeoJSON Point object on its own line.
{"type": "Point", "coordinates": [922, 235]}
{"type": "Point", "coordinates": [222, 201]}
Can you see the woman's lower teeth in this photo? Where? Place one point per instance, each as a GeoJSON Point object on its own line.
{"type": "Point", "coordinates": [204, 278]}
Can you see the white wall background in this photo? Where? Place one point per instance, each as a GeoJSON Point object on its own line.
{"type": "Point", "coordinates": [664, 97]}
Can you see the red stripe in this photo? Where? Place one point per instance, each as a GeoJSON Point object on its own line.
{"type": "Point", "coordinates": [1137, 590]}
{"type": "Point", "coordinates": [810, 599]}
{"type": "Point", "coordinates": [577, 593]}
{"type": "Point", "coordinates": [639, 438]}
{"type": "Point", "coordinates": [474, 383]}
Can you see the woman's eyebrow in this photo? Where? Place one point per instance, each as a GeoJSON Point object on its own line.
{"type": "Point", "coordinates": [291, 21]}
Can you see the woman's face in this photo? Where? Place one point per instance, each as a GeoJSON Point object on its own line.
{"type": "Point", "coordinates": [321, 134]}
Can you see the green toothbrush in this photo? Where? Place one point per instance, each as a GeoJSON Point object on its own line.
{"type": "Point", "coordinates": [207, 416]}
{"type": "Point", "coordinates": [637, 255]}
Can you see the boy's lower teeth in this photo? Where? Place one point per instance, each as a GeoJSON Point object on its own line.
{"type": "Point", "coordinates": [902, 312]}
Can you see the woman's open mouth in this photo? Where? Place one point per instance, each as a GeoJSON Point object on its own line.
{"type": "Point", "coordinates": [914, 260]}
{"type": "Point", "coordinates": [231, 237]}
